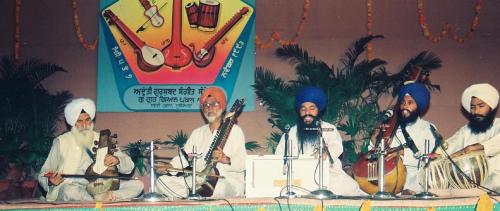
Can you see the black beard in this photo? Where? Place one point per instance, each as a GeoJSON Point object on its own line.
{"type": "Point", "coordinates": [306, 136]}
{"type": "Point", "coordinates": [479, 123]}
{"type": "Point", "coordinates": [407, 120]}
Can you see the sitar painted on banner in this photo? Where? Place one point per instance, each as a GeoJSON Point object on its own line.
{"type": "Point", "coordinates": [177, 54]}
{"type": "Point", "coordinates": [149, 59]}
{"type": "Point", "coordinates": [204, 56]}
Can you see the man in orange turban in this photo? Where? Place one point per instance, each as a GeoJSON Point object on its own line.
{"type": "Point", "coordinates": [230, 160]}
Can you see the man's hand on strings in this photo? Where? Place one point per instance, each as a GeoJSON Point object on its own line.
{"type": "Point", "coordinates": [376, 132]}
{"type": "Point", "coordinates": [468, 149]}
{"type": "Point", "coordinates": [55, 178]}
{"type": "Point", "coordinates": [219, 156]}
{"type": "Point", "coordinates": [111, 160]}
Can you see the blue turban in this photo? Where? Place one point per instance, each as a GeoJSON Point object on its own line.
{"type": "Point", "coordinates": [418, 92]}
{"type": "Point", "coordinates": [311, 94]}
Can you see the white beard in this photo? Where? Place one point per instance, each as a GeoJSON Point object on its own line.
{"type": "Point", "coordinates": [212, 118]}
{"type": "Point", "coordinates": [84, 137]}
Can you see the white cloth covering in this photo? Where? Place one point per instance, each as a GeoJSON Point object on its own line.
{"type": "Point", "coordinates": [233, 183]}
{"type": "Point", "coordinates": [491, 142]}
{"type": "Point", "coordinates": [67, 157]}
{"type": "Point", "coordinates": [485, 92]}
{"type": "Point", "coordinates": [340, 182]}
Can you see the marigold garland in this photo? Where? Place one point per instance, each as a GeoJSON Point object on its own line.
{"type": "Point", "coordinates": [448, 29]}
{"type": "Point", "coordinates": [17, 35]}
{"type": "Point", "coordinates": [275, 36]}
{"type": "Point", "coordinates": [76, 22]}
{"type": "Point", "coordinates": [369, 26]}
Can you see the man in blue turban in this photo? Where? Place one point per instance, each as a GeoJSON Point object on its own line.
{"type": "Point", "coordinates": [304, 138]}
{"type": "Point", "coordinates": [412, 131]}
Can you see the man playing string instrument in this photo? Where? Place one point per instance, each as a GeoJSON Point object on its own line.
{"type": "Point", "coordinates": [310, 103]}
{"type": "Point", "coordinates": [230, 160]}
{"type": "Point", "coordinates": [413, 99]}
{"type": "Point", "coordinates": [70, 155]}
{"type": "Point", "coordinates": [483, 130]}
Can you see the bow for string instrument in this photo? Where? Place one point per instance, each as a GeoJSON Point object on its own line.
{"type": "Point", "coordinates": [366, 167]}
{"type": "Point", "coordinates": [206, 188]}
{"type": "Point", "coordinates": [105, 145]}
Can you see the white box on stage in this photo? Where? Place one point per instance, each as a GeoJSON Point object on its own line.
{"type": "Point", "coordinates": [266, 175]}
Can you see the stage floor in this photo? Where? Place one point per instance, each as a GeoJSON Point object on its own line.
{"type": "Point", "coordinates": [264, 204]}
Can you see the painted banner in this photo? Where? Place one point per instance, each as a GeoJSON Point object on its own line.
{"type": "Point", "coordinates": [159, 55]}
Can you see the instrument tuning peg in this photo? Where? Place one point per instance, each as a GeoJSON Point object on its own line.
{"type": "Point", "coordinates": [114, 146]}
{"type": "Point", "coordinates": [96, 142]}
{"type": "Point", "coordinates": [94, 149]}
{"type": "Point", "coordinates": [114, 136]}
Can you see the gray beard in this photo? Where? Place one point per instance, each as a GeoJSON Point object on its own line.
{"type": "Point", "coordinates": [84, 138]}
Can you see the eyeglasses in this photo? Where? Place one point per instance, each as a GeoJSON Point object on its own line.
{"type": "Point", "coordinates": [212, 104]}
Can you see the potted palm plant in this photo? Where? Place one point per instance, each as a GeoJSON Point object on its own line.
{"type": "Point", "coordinates": [28, 119]}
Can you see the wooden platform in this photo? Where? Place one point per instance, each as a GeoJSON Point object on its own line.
{"type": "Point", "coordinates": [261, 204]}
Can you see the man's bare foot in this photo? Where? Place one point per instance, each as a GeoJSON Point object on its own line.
{"type": "Point", "coordinates": [407, 192]}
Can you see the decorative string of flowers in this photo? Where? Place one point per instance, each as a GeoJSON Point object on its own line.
{"type": "Point", "coordinates": [17, 35]}
{"type": "Point", "coordinates": [369, 26]}
{"type": "Point", "coordinates": [76, 22]}
{"type": "Point", "coordinates": [448, 29]}
{"type": "Point", "coordinates": [275, 36]}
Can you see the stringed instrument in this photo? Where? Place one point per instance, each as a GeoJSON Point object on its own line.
{"type": "Point", "coordinates": [149, 59]}
{"type": "Point", "coordinates": [206, 188]}
{"type": "Point", "coordinates": [204, 56]}
{"type": "Point", "coordinates": [366, 167]}
{"type": "Point", "coordinates": [152, 13]}
{"type": "Point", "coordinates": [177, 54]}
{"type": "Point", "coordinates": [105, 145]}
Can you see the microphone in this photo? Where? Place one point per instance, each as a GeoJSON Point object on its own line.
{"type": "Point", "coordinates": [387, 115]}
{"type": "Point", "coordinates": [410, 143]}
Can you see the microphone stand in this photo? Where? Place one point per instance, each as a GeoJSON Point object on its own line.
{"type": "Point", "coordinates": [193, 195]}
{"type": "Point", "coordinates": [381, 194]}
{"type": "Point", "coordinates": [288, 158]}
{"type": "Point", "coordinates": [321, 193]}
{"type": "Point", "coordinates": [152, 196]}
{"type": "Point", "coordinates": [426, 159]}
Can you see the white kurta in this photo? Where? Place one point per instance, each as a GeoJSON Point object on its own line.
{"type": "Point", "coordinates": [233, 183]}
{"type": "Point", "coordinates": [419, 131]}
{"type": "Point", "coordinates": [67, 157]}
{"type": "Point", "coordinates": [491, 142]}
{"type": "Point", "coordinates": [340, 182]}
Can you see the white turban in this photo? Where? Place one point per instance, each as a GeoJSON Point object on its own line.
{"type": "Point", "coordinates": [74, 108]}
{"type": "Point", "coordinates": [485, 92]}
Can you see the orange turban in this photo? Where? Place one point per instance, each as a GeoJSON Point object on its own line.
{"type": "Point", "coordinates": [215, 92]}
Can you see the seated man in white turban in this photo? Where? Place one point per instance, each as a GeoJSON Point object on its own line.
{"type": "Point", "coordinates": [70, 155]}
{"type": "Point", "coordinates": [483, 130]}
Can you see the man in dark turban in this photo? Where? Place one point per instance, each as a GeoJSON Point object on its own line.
{"type": "Point", "coordinates": [412, 131]}
{"type": "Point", "coordinates": [310, 104]}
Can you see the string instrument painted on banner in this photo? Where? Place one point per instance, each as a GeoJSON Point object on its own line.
{"type": "Point", "coordinates": [149, 59]}
{"type": "Point", "coordinates": [101, 185]}
{"type": "Point", "coordinates": [206, 188]}
{"type": "Point", "coordinates": [177, 54]}
{"type": "Point", "coordinates": [152, 13]}
{"type": "Point", "coordinates": [366, 167]}
{"type": "Point", "coordinates": [204, 56]}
